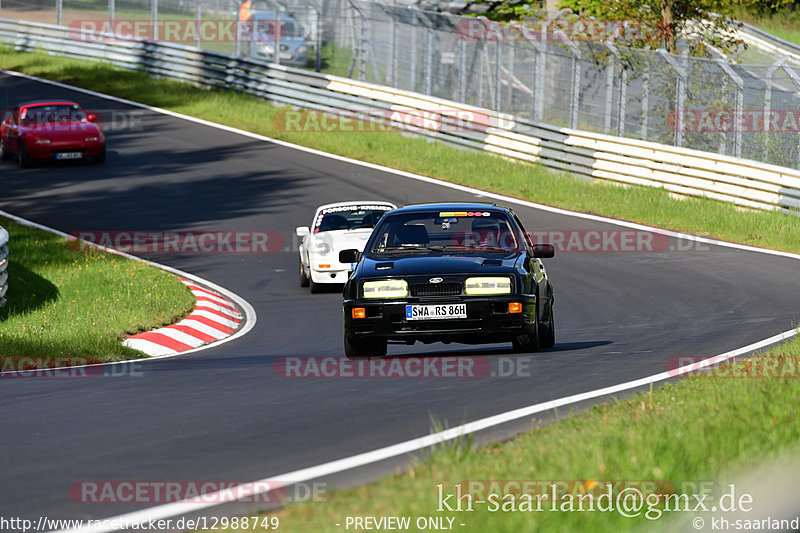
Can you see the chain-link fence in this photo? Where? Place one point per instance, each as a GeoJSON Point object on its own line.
{"type": "Point", "coordinates": [534, 72]}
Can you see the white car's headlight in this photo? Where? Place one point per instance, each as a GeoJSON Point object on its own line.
{"type": "Point", "coordinates": [486, 286]}
{"type": "Point", "coordinates": [302, 49]}
{"type": "Point", "coordinates": [323, 248]}
{"type": "Point", "coordinates": [390, 288]}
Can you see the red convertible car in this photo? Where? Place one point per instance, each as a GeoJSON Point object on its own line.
{"type": "Point", "coordinates": [51, 130]}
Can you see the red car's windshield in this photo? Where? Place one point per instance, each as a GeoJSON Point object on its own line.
{"type": "Point", "coordinates": [48, 114]}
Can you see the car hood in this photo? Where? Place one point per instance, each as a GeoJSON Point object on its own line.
{"type": "Point", "coordinates": [345, 239]}
{"type": "Point", "coordinates": [439, 264]}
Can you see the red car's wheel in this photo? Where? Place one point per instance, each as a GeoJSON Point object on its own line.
{"type": "Point", "coordinates": [22, 156]}
{"type": "Point", "coordinates": [5, 155]}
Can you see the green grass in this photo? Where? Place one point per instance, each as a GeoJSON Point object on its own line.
{"type": "Point", "coordinates": [416, 154]}
{"type": "Point", "coordinates": [681, 435]}
{"type": "Point", "coordinates": [69, 303]}
{"type": "Point", "coordinates": [785, 24]}
{"type": "Point", "coordinates": [686, 432]}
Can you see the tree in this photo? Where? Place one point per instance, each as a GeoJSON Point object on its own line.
{"type": "Point", "coordinates": [699, 23]}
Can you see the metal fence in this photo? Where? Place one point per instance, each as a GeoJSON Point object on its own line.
{"type": "Point", "coordinates": [749, 111]}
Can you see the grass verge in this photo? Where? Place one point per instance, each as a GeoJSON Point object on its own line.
{"type": "Point", "coordinates": [67, 304]}
{"type": "Point", "coordinates": [647, 437]}
{"type": "Point", "coordinates": [785, 24]}
{"type": "Point", "coordinates": [678, 439]}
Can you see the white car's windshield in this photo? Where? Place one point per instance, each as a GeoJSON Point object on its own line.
{"type": "Point", "coordinates": [356, 216]}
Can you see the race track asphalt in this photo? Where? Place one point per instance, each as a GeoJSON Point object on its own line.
{"type": "Point", "coordinates": [226, 414]}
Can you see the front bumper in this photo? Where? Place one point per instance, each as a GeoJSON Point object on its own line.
{"type": "Point", "coordinates": [49, 151]}
{"type": "Point", "coordinates": [488, 320]}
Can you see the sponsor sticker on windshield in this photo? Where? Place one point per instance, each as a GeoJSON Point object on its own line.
{"type": "Point", "coordinates": [448, 214]}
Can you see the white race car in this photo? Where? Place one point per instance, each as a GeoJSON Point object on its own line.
{"type": "Point", "coordinates": [336, 227]}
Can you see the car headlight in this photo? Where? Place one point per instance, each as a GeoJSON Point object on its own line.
{"type": "Point", "coordinates": [91, 139]}
{"type": "Point", "coordinates": [390, 288]}
{"type": "Point", "coordinates": [268, 49]}
{"type": "Point", "coordinates": [302, 49]}
{"type": "Point", "coordinates": [486, 286]}
{"type": "Point", "coordinates": [323, 248]}
{"type": "Point", "coordinates": [42, 141]}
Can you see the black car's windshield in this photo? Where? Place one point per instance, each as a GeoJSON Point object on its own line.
{"type": "Point", "coordinates": [451, 232]}
{"type": "Point", "coordinates": [48, 114]}
{"type": "Point", "coordinates": [347, 217]}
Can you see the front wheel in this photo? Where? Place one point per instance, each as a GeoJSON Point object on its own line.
{"type": "Point", "coordinates": [364, 349]}
{"type": "Point", "coordinates": [5, 155]}
{"type": "Point", "coordinates": [303, 277]}
{"type": "Point", "coordinates": [547, 332]}
{"type": "Point", "coordinates": [527, 342]}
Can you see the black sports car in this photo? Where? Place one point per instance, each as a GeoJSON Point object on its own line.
{"type": "Point", "coordinates": [451, 272]}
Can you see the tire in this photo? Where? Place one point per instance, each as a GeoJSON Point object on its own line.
{"type": "Point", "coordinates": [547, 332]}
{"type": "Point", "coordinates": [22, 156]}
{"type": "Point", "coordinates": [316, 288]}
{"type": "Point", "coordinates": [101, 159]}
{"type": "Point", "coordinates": [361, 349]}
{"type": "Point", "coordinates": [4, 154]}
{"type": "Point", "coordinates": [527, 342]}
{"type": "Point", "coordinates": [303, 278]}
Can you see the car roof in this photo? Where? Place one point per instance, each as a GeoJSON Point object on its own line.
{"type": "Point", "coordinates": [46, 102]}
{"type": "Point", "coordinates": [357, 202]}
{"type": "Point", "coordinates": [452, 206]}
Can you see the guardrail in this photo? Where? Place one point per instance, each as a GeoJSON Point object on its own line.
{"type": "Point", "coordinates": [681, 171]}
{"type": "Point", "coordinates": [3, 265]}
{"type": "Point", "coordinates": [769, 43]}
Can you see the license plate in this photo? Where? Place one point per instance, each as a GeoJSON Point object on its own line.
{"type": "Point", "coordinates": [69, 155]}
{"type": "Point", "coordinates": [436, 312]}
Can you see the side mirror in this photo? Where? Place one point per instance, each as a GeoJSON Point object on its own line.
{"type": "Point", "coordinates": [349, 256]}
{"type": "Point", "coordinates": [543, 251]}
{"type": "Point", "coordinates": [302, 231]}
{"type": "Point", "coordinates": [91, 117]}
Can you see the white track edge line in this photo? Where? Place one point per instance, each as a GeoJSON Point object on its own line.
{"type": "Point", "coordinates": [326, 469]}
{"type": "Point", "coordinates": [572, 399]}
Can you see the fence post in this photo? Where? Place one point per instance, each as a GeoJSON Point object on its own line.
{"type": "Point", "coordinates": [318, 51]}
{"type": "Point", "coordinates": [737, 130]}
{"type": "Point", "coordinates": [539, 70]}
{"type": "Point", "coordinates": [576, 87]}
{"type": "Point", "coordinates": [112, 8]}
{"type": "Point", "coordinates": [768, 101]}
{"type": "Point", "coordinates": [198, 22]}
{"type": "Point", "coordinates": [498, 77]}
{"type": "Point", "coordinates": [462, 71]}
{"type": "Point", "coordinates": [623, 91]}
{"type": "Point", "coordinates": [59, 11]}
{"type": "Point", "coordinates": [610, 73]}
{"type": "Point", "coordinates": [414, 57]}
{"type": "Point", "coordinates": [796, 79]}
{"type": "Point", "coordinates": [393, 56]}
{"type": "Point", "coordinates": [428, 59]}
{"type": "Point", "coordinates": [645, 104]}
{"type": "Point", "coordinates": [680, 96]}
{"type": "Point", "coordinates": [154, 17]}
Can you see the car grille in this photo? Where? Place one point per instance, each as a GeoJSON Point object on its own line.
{"type": "Point", "coordinates": [436, 289]}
